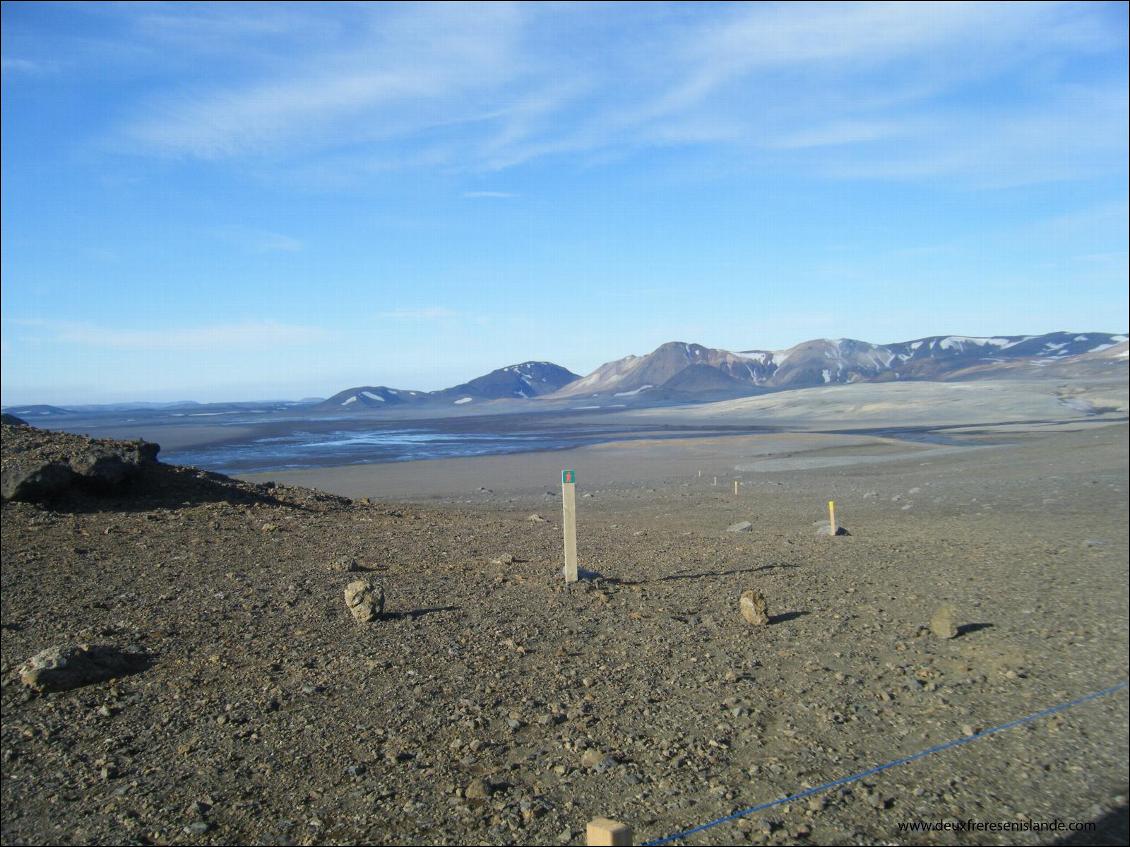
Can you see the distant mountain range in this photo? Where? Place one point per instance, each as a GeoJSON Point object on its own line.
{"type": "Point", "coordinates": [678, 372]}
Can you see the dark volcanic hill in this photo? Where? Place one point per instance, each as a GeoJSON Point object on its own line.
{"type": "Point", "coordinates": [521, 381]}
{"type": "Point", "coordinates": [526, 380]}
{"type": "Point", "coordinates": [371, 397]}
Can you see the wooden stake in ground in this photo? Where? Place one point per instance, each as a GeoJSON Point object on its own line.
{"type": "Point", "coordinates": [735, 488]}
{"type": "Point", "coordinates": [607, 833]}
{"type": "Point", "coordinates": [569, 508]}
{"type": "Point", "coordinates": [832, 526]}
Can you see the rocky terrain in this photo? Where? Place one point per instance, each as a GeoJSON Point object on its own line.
{"type": "Point", "coordinates": [485, 703]}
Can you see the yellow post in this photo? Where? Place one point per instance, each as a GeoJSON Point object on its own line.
{"type": "Point", "coordinates": [602, 832]}
{"type": "Point", "coordinates": [833, 528]}
{"type": "Point", "coordinates": [735, 488]}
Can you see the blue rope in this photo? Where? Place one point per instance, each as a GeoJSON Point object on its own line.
{"type": "Point", "coordinates": [845, 780]}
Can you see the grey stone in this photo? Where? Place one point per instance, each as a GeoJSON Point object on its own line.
{"type": "Point", "coordinates": [740, 526]}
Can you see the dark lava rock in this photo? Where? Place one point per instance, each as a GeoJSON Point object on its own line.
{"type": "Point", "coordinates": [34, 480]}
{"type": "Point", "coordinates": [39, 465]}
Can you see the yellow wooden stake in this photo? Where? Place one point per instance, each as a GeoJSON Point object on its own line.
{"type": "Point", "coordinates": [569, 508]}
{"type": "Point", "coordinates": [832, 517]}
{"type": "Point", "coordinates": [602, 832]}
{"type": "Point", "coordinates": [735, 488]}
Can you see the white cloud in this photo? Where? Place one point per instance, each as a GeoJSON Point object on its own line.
{"type": "Point", "coordinates": [248, 335]}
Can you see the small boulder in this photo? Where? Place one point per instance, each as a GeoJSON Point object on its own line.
{"type": "Point", "coordinates": [754, 608]}
{"type": "Point", "coordinates": [740, 526]}
{"type": "Point", "coordinates": [364, 600]}
{"type": "Point", "coordinates": [536, 518]}
{"type": "Point", "coordinates": [504, 559]}
{"type": "Point", "coordinates": [944, 622]}
{"type": "Point", "coordinates": [73, 665]}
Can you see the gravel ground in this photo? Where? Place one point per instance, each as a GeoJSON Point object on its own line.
{"type": "Point", "coordinates": [490, 705]}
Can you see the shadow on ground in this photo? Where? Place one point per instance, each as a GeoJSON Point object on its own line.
{"type": "Point", "coordinates": [970, 628]}
{"type": "Point", "coordinates": [414, 614]}
{"type": "Point", "coordinates": [159, 486]}
{"type": "Point", "coordinates": [1111, 829]}
{"type": "Point", "coordinates": [733, 572]}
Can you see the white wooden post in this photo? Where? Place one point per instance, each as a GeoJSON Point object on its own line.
{"type": "Point", "coordinates": [569, 509]}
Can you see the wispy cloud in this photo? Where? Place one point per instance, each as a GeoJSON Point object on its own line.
{"type": "Point", "coordinates": [15, 65]}
{"type": "Point", "coordinates": [248, 335]}
{"type": "Point", "coordinates": [427, 313]}
{"type": "Point", "coordinates": [260, 240]}
{"type": "Point", "coordinates": [349, 93]}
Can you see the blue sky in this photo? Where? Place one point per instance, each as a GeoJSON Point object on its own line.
{"type": "Point", "coordinates": [244, 202]}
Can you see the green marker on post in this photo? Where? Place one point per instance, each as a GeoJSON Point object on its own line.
{"type": "Point", "coordinates": [568, 476]}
